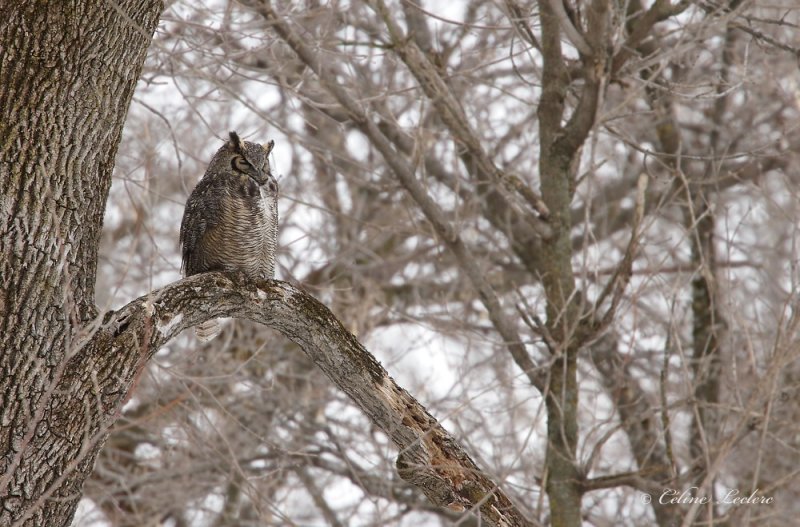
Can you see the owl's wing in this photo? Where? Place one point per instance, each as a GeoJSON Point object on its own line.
{"type": "Point", "coordinates": [202, 213]}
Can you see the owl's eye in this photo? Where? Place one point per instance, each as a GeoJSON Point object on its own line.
{"type": "Point", "coordinates": [240, 164]}
{"type": "Point", "coordinates": [272, 186]}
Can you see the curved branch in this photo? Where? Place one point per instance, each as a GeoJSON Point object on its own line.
{"type": "Point", "coordinates": [572, 33]}
{"type": "Point", "coordinates": [430, 458]}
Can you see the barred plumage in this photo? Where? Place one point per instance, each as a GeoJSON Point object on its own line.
{"type": "Point", "coordinates": [231, 218]}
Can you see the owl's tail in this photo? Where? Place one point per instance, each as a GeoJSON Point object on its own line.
{"type": "Point", "coordinates": [208, 330]}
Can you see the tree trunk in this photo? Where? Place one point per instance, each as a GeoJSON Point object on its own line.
{"type": "Point", "coordinates": [67, 74]}
{"type": "Point", "coordinates": [560, 147]}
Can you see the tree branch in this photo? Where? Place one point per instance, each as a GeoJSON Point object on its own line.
{"type": "Point", "coordinates": [329, 79]}
{"type": "Point", "coordinates": [570, 31]}
{"type": "Point", "coordinates": [453, 117]}
{"type": "Point", "coordinates": [430, 458]}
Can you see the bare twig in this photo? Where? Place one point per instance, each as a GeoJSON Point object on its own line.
{"type": "Point", "coordinates": [405, 174]}
{"type": "Point", "coordinates": [619, 282]}
{"type": "Point", "coordinates": [572, 33]}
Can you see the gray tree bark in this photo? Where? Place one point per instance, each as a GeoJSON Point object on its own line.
{"type": "Point", "coordinates": [67, 75]}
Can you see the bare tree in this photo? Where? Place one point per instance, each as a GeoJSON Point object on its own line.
{"type": "Point", "coordinates": [568, 228]}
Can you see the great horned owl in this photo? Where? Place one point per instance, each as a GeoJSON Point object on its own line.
{"type": "Point", "coordinates": [231, 218]}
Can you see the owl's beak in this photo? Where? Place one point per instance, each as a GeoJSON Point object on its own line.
{"type": "Point", "coordinates": [259, 176]}
{"type": "Point", "coordinates": [263, 177]}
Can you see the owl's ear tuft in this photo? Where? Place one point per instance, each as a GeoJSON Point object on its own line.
{"type": "Point", "coordinates": [268, 146]}
{"type": "Point", "coordinates": [235, 142]}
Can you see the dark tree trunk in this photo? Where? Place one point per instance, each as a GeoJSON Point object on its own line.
{"type": "Point", "coordinates": [560, 146]}
{"type": "Point", "coordinates": [67, 74]}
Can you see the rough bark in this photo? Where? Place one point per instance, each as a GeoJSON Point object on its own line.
{"type": "Point", "coordinates": [430, 457]}
{"type": "Point", "coordinates": [67, 74]}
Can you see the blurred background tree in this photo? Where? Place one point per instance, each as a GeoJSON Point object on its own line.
{"type": "Point", "coordinates": [569, 229]}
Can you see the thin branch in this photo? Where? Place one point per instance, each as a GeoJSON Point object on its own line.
{"type": "Point", "coordinates": [518, 19]}
{"type": "Point", "coordinates": [630, 479]}
{"type": "Point", "coordinates": [638, 31]}
{"type": "Point", "coordinates": [665, 420]}
{"type": "Point", "coordinates": [453, 117]}
{"type": "Point", "coordinates": [622, 276]}
{"type": "Point", "coordinates": [316, 495]}
{"type": "Point", "coordinates": [570, 31]}
{"type": "Point", "coordinates": [405, 174]}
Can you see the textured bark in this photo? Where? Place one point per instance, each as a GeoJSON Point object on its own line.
{"type": "Point", "coordinates": [430, 458]}
{"type": "Point", "coordinates": [67, 74]}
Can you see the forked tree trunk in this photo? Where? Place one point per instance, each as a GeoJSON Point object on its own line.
{"type": "Point", "coordinates": [67, 73]}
